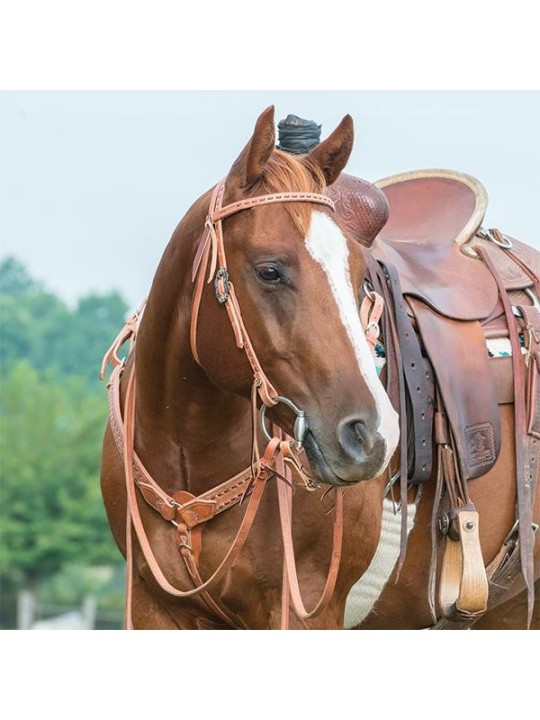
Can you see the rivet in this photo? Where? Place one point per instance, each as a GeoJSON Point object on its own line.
{"type": "Point", "coordinates": [468, 525]}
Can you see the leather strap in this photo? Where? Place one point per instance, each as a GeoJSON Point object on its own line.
{"type": "Point", "coordinates": [371, 311]}
{"type": "Point", "coordinates": [292, 587]}
{"type": "Point", "coordinates": [128, 332]}
{"type": "Point", "coordinates": [185, 537]}
{"type": "Point", "coordinates": [526, 269]}
{"type": "Point", "coordinates": [526, 472]}
{"type": "Point", "coordinates": [211, 251]}
{"type": "Point", "coordinates": [191, 511]}
{"type": "Point", "coordinates": [219, 213]}
{"type": "Point", "coordinates": [134, 515]}
{"type": "Point", "coordinates": [419, 382]}
{"type": "Point", "coordinates": [531, 330]}
{"type": "Point", "coordinates": [395, 387]}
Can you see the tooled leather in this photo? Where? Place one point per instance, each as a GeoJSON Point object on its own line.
{"type": "Point", "coordinates": [361, 207]}
{"type": "Point", "coordinates": [513, 276]}
{"type": "Point", "coordinates": [199, 509]}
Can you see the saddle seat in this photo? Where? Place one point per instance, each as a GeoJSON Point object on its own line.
{"type": "Point", "coordinates": [433, 214]}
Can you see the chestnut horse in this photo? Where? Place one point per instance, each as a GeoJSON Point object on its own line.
{"type": "Point", "coordinates": [255, 305]}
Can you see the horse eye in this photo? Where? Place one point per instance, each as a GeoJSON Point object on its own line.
{"type": "Point", "coordinates": [268, 274]}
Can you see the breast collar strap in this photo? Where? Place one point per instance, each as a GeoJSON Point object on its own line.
{"type": "Point", "coordinates": [210, 261]}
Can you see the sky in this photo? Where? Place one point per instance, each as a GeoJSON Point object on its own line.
{"type": "Point", "coordinates": [92, 183]}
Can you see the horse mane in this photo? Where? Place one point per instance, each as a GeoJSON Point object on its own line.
{"type": "Point", "coordinates": [285, 173]}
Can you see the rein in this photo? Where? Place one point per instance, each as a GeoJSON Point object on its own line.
{"type": "Point", "coordinates": [186, 512]}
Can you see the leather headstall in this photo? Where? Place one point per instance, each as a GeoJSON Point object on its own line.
{"type": "Point", "coordinates": [211, 251]}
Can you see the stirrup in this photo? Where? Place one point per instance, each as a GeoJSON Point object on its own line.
{"type": "Point", "coordinates": [464, 586]}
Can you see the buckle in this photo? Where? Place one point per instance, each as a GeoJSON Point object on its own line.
{"type": "Point", "coordinates": [514, 528]}
{"type": "Point", "coordinates": [221, 285]}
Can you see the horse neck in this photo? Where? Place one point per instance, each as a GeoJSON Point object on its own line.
{"type": "Point", "coordinates": [190, 434]}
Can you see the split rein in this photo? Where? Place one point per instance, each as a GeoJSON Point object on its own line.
{"type": "Point", "coordinates": [189, 513]}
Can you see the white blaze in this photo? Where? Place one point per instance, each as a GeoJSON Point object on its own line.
{"type": "Point", "coordinates": [328, 247]}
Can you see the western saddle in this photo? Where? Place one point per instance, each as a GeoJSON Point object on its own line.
{"type": "Point", "coordinates": [461, 336]}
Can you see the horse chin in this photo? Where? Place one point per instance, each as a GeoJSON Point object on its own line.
{"type": "Point", "coordinates": [322, 470]}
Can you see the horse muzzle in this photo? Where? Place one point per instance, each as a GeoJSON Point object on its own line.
{"type": "Point", "coordinates": [358, 456]}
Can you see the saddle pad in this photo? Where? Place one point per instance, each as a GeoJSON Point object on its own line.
{"type": "Point", "coordinates": [432, 214]}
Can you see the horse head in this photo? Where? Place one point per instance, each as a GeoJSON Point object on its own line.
{"type": "Point", "coordinates": [296, 276]}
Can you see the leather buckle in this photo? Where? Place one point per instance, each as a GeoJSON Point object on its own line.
{"type": "Point", "coordinates": [221, 285]}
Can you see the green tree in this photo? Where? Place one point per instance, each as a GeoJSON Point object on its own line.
{"type": "Point", "coordinates": [39, 327]}
{"type": "Point", "coordinates": [95, 323]}
{"type": "Point", "coordinates": [51, 511]}
{"type": "Point", "coordinates": [15, 279]}
{"type": "Point", "coordinates": [52, 416]}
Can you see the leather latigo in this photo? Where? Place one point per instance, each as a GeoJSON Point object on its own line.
{"type": "Point", "coordinates": [531, 330]}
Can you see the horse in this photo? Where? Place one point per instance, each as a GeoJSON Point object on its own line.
{"type": "Point", "coordinates": [265, 309]}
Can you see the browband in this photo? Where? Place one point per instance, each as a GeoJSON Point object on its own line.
{"type": "Point", "coordinates": [220, 213]}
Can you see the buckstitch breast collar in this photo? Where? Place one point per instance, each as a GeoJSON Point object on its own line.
{"type": "Point", "coordinates": [185, 511]}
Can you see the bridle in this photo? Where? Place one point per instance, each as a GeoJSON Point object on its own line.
{"type": "Point", "coordinates": [211, 260]}
{"type": "Point", "coordinates": [188, 513]}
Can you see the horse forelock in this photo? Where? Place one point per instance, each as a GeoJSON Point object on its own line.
{"type": "Point", "coordinates": [285, 173]}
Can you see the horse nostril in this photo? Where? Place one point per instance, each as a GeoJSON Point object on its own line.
{"type": "Point", "coordinates": [356, 438]}
{"type": "Point", "coordinates": [359, 430]}
{"type": "Point", "coordinates": [362, 446]}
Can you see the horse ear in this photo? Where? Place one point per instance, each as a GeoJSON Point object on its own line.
{"type": "Point", "coordinates": [332, 154]}
{"type": "Point", "coordinates": [249, 165]}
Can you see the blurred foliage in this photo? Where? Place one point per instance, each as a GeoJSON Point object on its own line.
{"type": "Point", "coordinates": [39, 327]}
{"type": "Point", "coordinates": [52, 417]}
